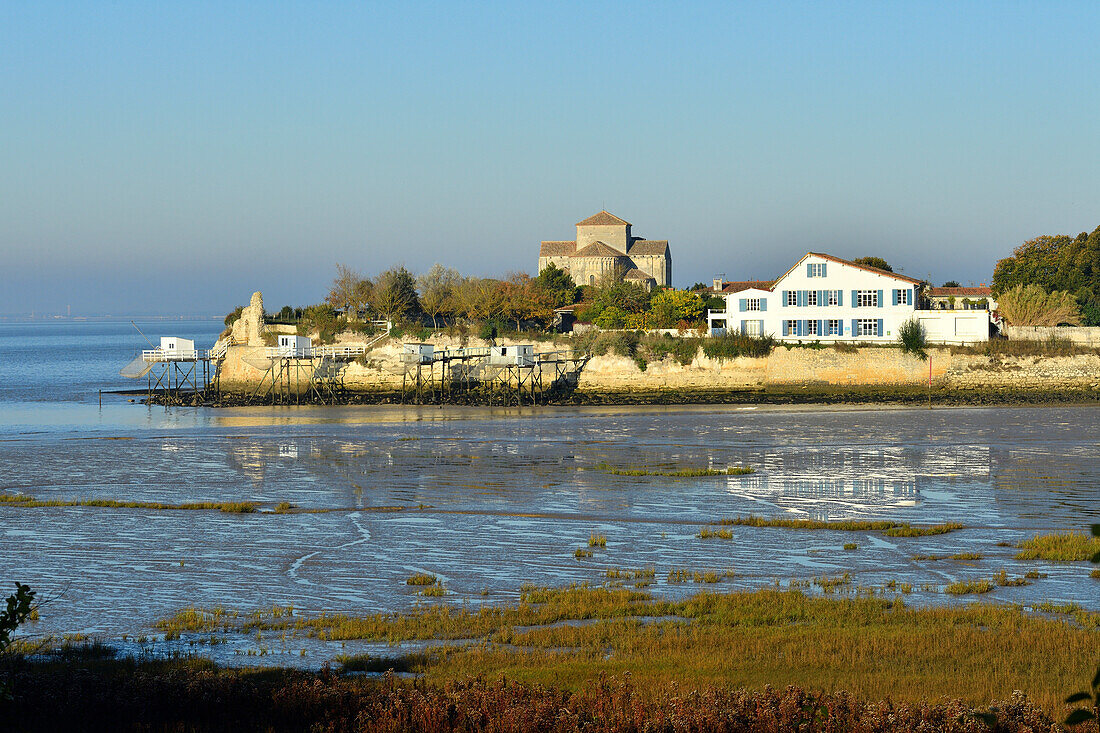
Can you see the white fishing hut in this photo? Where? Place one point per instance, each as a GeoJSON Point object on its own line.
{"type": "Point", "coordinates": [294, 346]}
{"type": "Point", "coordinates": [418, 353]}
{"type": "Point", "coordinates": [174, 347]}
{"type": "Point", "coordinates": [520, 355]}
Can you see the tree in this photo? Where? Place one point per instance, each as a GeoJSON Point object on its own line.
{"type": "Point", "coordinates": [559, 284]}
{"type": "Point", "coordinates": [525, 299]}
{"type": "Point", "coordinates": [1032, 306]}
{"type": "Point", "coordinates": [1057, 262]}
{"type": "Point", "coordinates": [669, 307]}
{"type": "Point", "coordinates": [19, 607]}
{"type": "Point", "coordinates": [347, 291]}
{"type": "Point", "coordinates": [436, 288]}
{"type": "Point", "coordinates": [393, 295]}
{"type": "Point", "coordinates": [871, 261]}
{"type": "Point", "coordinates": [913, 339]}
{"type": "Point", "coordinates": [951, 284]}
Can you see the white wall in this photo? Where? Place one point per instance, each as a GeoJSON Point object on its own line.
{"type": "Point", "coordinates": [954, 327]}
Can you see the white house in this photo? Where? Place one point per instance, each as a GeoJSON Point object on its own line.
{"type": "Point", "coordinates": [293, 346]}
{"type": "Point", "coordinates": [824, 298]}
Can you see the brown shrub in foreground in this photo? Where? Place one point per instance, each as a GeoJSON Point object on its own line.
{"type": "Point", "coordinates": [195, 695]}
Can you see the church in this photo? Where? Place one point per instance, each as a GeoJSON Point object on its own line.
{"type": "Point", "coordinates": [604, 244]}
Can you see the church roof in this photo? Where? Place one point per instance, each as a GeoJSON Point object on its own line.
{"type": "Point", "coordinates": [603, 218]}
{"type": "Point", "coordinates": [649, 247]}
{"type": "Point", "coordinates": [635, 274]}
{"type": "Point", "coordinates": [599, 249]}
{"type": "Point", "coordinates": [551, 249]}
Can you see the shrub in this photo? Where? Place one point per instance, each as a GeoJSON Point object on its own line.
{"type": "Point", "coordinates": [912, 338]}
{"type": "Point", "coordinates": [733, 345]}
{"type": "Point", "coordinates": [1031, 305]}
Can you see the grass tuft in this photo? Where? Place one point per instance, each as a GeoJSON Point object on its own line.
{"type": "Point", "coordinates": [1059, 547]}
{"type": "Point", "coordinates": [967, 587]}
{"type": "Point", "coordinates": [422, 579]}
{"type": "Point", "coordinates": [597, 540]}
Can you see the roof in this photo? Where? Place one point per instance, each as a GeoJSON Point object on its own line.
{"type": "Point", "coordinates": [648, 247]}
{"type": "Point", "coordinates": [599, 249]}
{"type": "Point", "coordinates": [604, 218]}
{"type": "Point", "coordinates": [635, 274]}
{"type": "Point", "coordinates": [961, 292]}
{"type": "Point", "coordinates": [738, 285]}
{"type": "Point", "coordinates": [849, 263]}
{"type": "Point", "coordinates": [550, 249]}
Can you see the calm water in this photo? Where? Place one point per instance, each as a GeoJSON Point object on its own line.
{"type": "Point", "coordinates": [490, 499]}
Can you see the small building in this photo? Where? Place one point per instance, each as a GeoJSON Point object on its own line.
{"type": "Point", "coordinates": [176, 346]}
{"type": "Point", "coordinates": [294, 346]}
{"type": "Point", "coordinates": [965, 299]}
{"type": "Point", "coordinates": [520, 355]}
{"type": "Point", "coordinates": [418, 353]}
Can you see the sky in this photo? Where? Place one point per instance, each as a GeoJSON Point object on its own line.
{"type": "Point", "coordinates": [162, 158]}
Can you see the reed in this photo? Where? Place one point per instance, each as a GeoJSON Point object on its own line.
{"type": "Point", "coordinates": [1059, 547]}
{"type": "Point", "coordinates": [597, 540]}
{"type": "Point", "coordinates": [422, 579]}
{"type": "Point", "coordinates": [851, 546]}
{"type": "Point", "coordinates": [967, 587]}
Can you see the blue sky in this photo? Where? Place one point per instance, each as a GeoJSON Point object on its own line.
{"type": "Point", "coordinates": [165, 159]}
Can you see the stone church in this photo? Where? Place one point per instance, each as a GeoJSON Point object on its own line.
{"type": "Point", "coordinates": [604, 244]}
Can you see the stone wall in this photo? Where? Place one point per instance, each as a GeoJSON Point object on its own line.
{"type": "Point", "coordinates": [382, 370]}
{"type": "Point", "coordinates": [1081, 335]}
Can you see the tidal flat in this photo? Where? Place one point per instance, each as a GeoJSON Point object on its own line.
{"type": "Point", "coordinates": [345, 506]}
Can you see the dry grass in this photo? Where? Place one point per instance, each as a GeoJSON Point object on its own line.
{"type": "Point", "coordinates": [890, 528]}
{"type": "Point", "coordinates": [597, 540]}
{"type": "Point", "coordinates": [967, 587]}
{"type": "Point", "coordinates": [682, 473]}
{"type": "Point", "coordinates": [1059, 547]}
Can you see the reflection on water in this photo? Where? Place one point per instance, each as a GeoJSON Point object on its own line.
{"type": "Point", "coordinates": [492, 499]}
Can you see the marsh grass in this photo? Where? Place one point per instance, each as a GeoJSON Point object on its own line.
{"type": "Point", "coordinates": [683, 473]}
{"type": "Point", "coordinates": [580, 553]}
{"type": "Point", "coordinates": [1001, 579]}
{"type": "Point", "coordinates": [29, 502]}
{"type": "Point", "coordinates": [422, 579]}
{"type": "Point", "coordinates": [968, 587]}
{"type": "Point", "coordinates": [890, 528]}
{"type": "Point", "coordinates": [707, 533]}
{"type": "Point", "coordinates": [597, 540]}
{"type": "Point", "coordinates": [1095, 574]}
{"type": "Point", "coordinates": [1059, 547]}
{"type": "Point", "coordinates": [851, 546]}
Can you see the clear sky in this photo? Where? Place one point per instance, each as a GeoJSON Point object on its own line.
{"type": "Point", "coordinates": [166, 158]}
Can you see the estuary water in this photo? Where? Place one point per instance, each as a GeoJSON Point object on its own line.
{"type": "Point", "coordinates": [490, 499]}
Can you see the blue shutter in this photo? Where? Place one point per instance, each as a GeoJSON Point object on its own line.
{"type": "Point", "coordinates": [855, 328]}
{"type": "Point", "coordinates": [784, 325]}
{"type": "Point", "coordinates": [744, 330]}
{"type": "Point", "coordinates": [840, 297]}
{"type": "Point", "coordinates": [742, 304]}
{"type": "Point", "coordinates": [802, 328]}
{"type": "Point", "coordinates": [881, 303]}
{"type": "Point", "coordinates": [763, 304]}
{"type": "Point", "coordinates": [855, 302]}
{"type": "Point", "coordinates": [880, 331]}
{"type": "Point", "coordinates": [894, 296]}
{"type": "Point", "coordinates": [809, 270]}
{"type": "Point", "coordinates": [823, 266]}
{"type": "Point", "coordinates": [784, 303]}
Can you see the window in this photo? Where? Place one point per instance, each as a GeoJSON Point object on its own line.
{"type": "Point", "coordinates": [867, 327]}
{"type": "Point", "coordinates": [792, 297]}
{"type": "Point", "coordinates": [752, 304]}
{"type": "Point", "coordinates": [792, 328]}
{"type": "Point", "coordinates": [811, 297]}
{"type": "Point", "coordinates": [811, 328]}
{"type": "Point", "coordinates": [816, 269]}
{"type": "Point", "coordinates": [834, 327]}
{"type": "Point", "coordinates": [867, 298]}
{"type": "Point", "coordinates": [833, 296]}
{"type": "Point", "coordinates": [754, 328]}
{"type": "Point", "coordinates": [904, 296]}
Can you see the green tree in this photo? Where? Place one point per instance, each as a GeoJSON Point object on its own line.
{"type": "Point", "coordinates": [669, 307]}
{"type": "Point", "coordinates": [393, 295]}
{"type": "Point", "coordinates": [20, 606]}
{"type": "Point", "coordinates": [559, 284]}
{"type": "Point", "coordinates": [347, 291]}
{"type": "Point", "coordinates": [611, 317]}
{"type": "Point", "coordinates": [1056, 262]}
{"type": "Point", "coordinates": [436, 290]}
{"type": "Point", "coordinates": [951, 284]}
{"type": "Point", "coordinates": [876, 262]}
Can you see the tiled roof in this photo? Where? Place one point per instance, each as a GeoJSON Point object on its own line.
{"type": "Point", "coordinates": [603, 218]}
{"type": "Point", "coordinates": [635, 274]}
{"type": "Point", "coordinates": [849, 263]}
{"type": "Point", "coordinates": [649, 247]}
{"type": "Point", "coordinates": [960, 292]}
{"type": "Point", "coordinates": [550, 249]}
{"type": "Point", "coordinates": [599, 249]}
{"type": "Point", "coordinates": [738, 286]}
